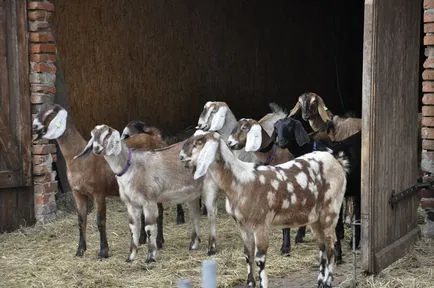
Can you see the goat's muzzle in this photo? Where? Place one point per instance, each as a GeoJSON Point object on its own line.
{"type": "Point", "coordinates": [202, 127]}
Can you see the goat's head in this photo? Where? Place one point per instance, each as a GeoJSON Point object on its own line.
{"type": "Point", "coordinates": [310, 104]}
{"type": "Point", "coordinates": [247, 134]}
{"type": "Point", "coordinates": [213, 116]}
{"type": "Point", "coordinates": [104, 141]}
{"type": "Point", "coordinates": [139, 127]}
{"type": "Point", "coordinates": [50, 122]}
{"type": "Point", "coordinates": [287, 130]}
{"type": "Point", "coordinates": [199, 151]}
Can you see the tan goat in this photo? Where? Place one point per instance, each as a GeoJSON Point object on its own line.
{"type": "Point", "coordinates": [308, 190]}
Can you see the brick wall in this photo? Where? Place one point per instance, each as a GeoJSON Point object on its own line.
{"type": "Point", "coordinates": [427, 163]}
{"type": "Point", "coordinates": [42, 56]}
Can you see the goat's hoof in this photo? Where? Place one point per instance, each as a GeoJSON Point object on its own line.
{"type": "Point", "coordinates": [299, 240]}
{"type": "Point", "coordinates": [103, 254]}
{"type": "Point", "coordinates": [250, 284]}
{"type": "Point", "coordinates": [129, 260]}
{"type": "Point", "coordinates": [150, 261]}
{"type": "Point", "coordinates": [212, 251]}
{"type": "Point", "coordinates": [80, 252]}
{"type": "Point", "coordinates": [284, 251]}
{"type": "Point", "coordinates": [180, 220]}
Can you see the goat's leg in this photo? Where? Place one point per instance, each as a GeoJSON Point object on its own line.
{"type": "Point", "coordinates": [151, 212]}
{"type": "Point", "coordinates": [301, 232]}
{"type": "Point", "coordinates": [195, 222]}
{"type": "Point", "coordinates": [179, 214]}
{"type": "Point", "coordinates": [340, 232]}
{"type": "Point", "coordinates": [209, 198]}
{"type": "Point", "coordinates": [101, 223]}
{"type": "Point", "coordinates": [286, 242]}
{"type": "Point", "coordinates": [160, 237]}
{"type": "Point", "coordinates": [143, 236]}
{"type": "Point", "coordinates": [134, 220]}
{"type": "Point", "coordinates": [249, 248]}
{"type": "Point", "coordinates": [81, 206]}
{"type": "Point", "coordinates": [261, 247]}
{"type": "Point", "coordinates": [326, 237]}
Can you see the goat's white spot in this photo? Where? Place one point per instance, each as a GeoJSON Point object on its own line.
{"type": "Point", "coordinates": [279, 176]}
{"type": "Point", "coordinates": [311, 173]}
{"type": "Point", "coordinates": [327, 219]}
{"type": "Point", "coordinates": [301, 180]}
{"type": "Point", "coordinates": [271, 196]}
{"type": "Point", "coordinates": [238, 214]}
{"type": "Point", "coordinates": [262, 179]}
{"type": "Point", "coordinates": [228, 206]}
{"type": "Point", "coordinates": [262, 168]}
{"type": "Point", "coordinates": [293, 198]}
{"type": "Point", "coordinates": [285, 204]}
{"type": "Point", "coordinates": [275, 184]}
{"type": "Point", "coordinates": [298, 165]}
{"type": "Point", "coordinates": [304, 202]}
{"type": "Point", "coordinates": [283, 175]}
{"type": "Point", "coordinates": [99, 126]}
{"type": "Point", "coordinates": [315, 166]}
{"type": "Point", "coordinates": [290, 187]}
{"type": "Point", "coordinates": [313, 189]}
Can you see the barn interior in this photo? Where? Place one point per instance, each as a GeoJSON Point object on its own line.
{"type": "Point", "coordinates": [161, 60]}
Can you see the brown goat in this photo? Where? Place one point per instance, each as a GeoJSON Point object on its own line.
{"type": "Point", "coordinates": [315, 111]}
{"type": "Point", "coordinates": [91, 178]}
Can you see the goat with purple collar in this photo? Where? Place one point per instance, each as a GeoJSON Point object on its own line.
{"type": "Point", "coordinates": [148, 177]}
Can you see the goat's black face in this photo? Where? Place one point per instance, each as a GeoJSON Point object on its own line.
{"type": "Point", "coordinates": [133, 127]}
{"type": "Point", "coordinates": [284, 132]}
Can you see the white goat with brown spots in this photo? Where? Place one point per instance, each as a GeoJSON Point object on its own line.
{"type": "Point", "coordinates": [308, 190]}
{"type": "Point", "coordinates": [146, 177]}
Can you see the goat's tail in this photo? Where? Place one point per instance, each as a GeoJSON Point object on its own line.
{"type": "Point", "coordinates": [343, 160]}
{"type": "Point", "coordinates": [276, 108]}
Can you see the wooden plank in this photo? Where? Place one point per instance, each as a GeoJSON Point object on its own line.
{"type": "Point", "coordinates": [397, 249]}
{"type": "Point", "coordinates": [15, 208]}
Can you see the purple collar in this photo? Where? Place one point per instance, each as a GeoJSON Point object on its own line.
{"type": "Point", "coordinates": [271, 157]}
{"type": "Point", "coordinates": [125, 169]}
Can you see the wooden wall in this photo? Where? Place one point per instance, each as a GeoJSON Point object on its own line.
{"type": "Point", "coordinates": [161, 60]}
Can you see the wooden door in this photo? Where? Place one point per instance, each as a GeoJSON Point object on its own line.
{"type": "Point", "coordinates": [16, 197]}
{"type": "Point", "coordinates": [390, 130]}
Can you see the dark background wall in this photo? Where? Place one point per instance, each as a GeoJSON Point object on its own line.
{"type": "Point", "coordinates": [161, 60]}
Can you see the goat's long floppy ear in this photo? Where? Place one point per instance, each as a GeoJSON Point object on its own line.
{"type": "Point", "coordinates": [113, 146]}
{"type": "Point", "coordinates": [86, 151]}
{"type": "Point", "coordinates": [57, 126]}
{"type": "Point", "coordinates": [219, 119]}
{"type": "Point", "coordinates": [295, 109]}
{"type": "Point", "coordinates": [301, 135]}
{"type": "Point", "coordinates": [205, 158]}
{"type": "Point", "coordinates": [254, 138]}
{"type": "Point", "coordinates": [322, 109]}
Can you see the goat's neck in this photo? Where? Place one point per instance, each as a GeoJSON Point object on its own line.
{"type": "Point", "coordinates": [230, 123]}
{"type": "Point", "coordinates": [226, 170]}
{"type": "Point", "coordinates": [70, 142]}
{"type": "Point", "coordinates": [118, 162]}
{"type": "Point", "coordinates": [316, 123]}
{"type": "Point", "coordinates": [265, 143]}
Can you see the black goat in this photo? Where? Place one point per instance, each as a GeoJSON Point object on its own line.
{"type": "Point", "coordinates": [289, 133]}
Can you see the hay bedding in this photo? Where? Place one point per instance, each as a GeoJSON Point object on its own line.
{"type": "Point", "coordinates": [44, 257]}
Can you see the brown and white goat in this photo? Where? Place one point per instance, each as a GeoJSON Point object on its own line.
{"type": "Point", "coordinates": [308, 190]}
{"type": "Point", "coordinates": [91, 178]}
{"type": "Point", "coordinates": [148, 177]}
{"type": "Point", "coordinates": [315, 111]}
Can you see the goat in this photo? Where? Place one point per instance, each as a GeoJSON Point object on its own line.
{"type": "Point", "coordinates": [137, 128]}
{"type": "Point", "coordinates": [308, 190]}
{"type": "Point", "coordinates": [314, 110]}
{"type": "Point", "coordinates": [91, 178]}
{"type": "Point", "coordinates": [289, 133]}
{"type": "Point", "coordinates": [250, 136]}
{"type": "Point", "coordinates": [216, 116]}
{"type": "Point", "coordinates": [148, 177]}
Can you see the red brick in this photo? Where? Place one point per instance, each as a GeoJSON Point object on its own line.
{"type": "Point", "coordinates": [428, 27]}
{"type": "Point", "coordinates": [42, 67]}
{"type": "Point", "coordinates": [44, 178]}
{"type": "Point", "coordinates": [44, 188]}
{"type": "Point", "coordinates": [43, 149]}
{"type": "Point", "coordinates": [42, 199]}
{"type": "Point", "coordinates": [427, 111]}
{"type": "Point", "coordinates": [428, 40]}
{"type": "Point", "coordinates": [43, 48]}
{"type": "Point", "coordinates": [428, 121]}
{"type": "Point", "coordinates": [39, 159]}
{"type": "Point", "coordinates": [42, 169]}
{"type": "Point", "coordinates": [41, 37]}
{"type": "Point", "coordinates": [427, 86]}
{"type": "Point", "coordinates": [48, 89]}
{"type": "Point", "coordinates": [427, 144]}
{"type": "Point", "coordinates": [37, 5]}
{"type": "Point", "coordinates": [43, 57]}
{"type": "Point", "coordinates": [39, 15]}
{"type": "Point", "coordinates": [426, 193]}
{"type": "Point", "coordinates": [427, 133]}
{"type": "Point", "coordinates": [429, 63]}
{"type": "Point", "coordinates": [39, 25]}
{"type": "Point", "coordinates": [427, 203]}
{"type": "Point", "coordinates": [428, 16]}
{"type": "Point", "coordinates": [428, 74]}
{"type": "Point", "coordinates": [40, 98]}
{"type": "Point", "coordinates": [427, 4]}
